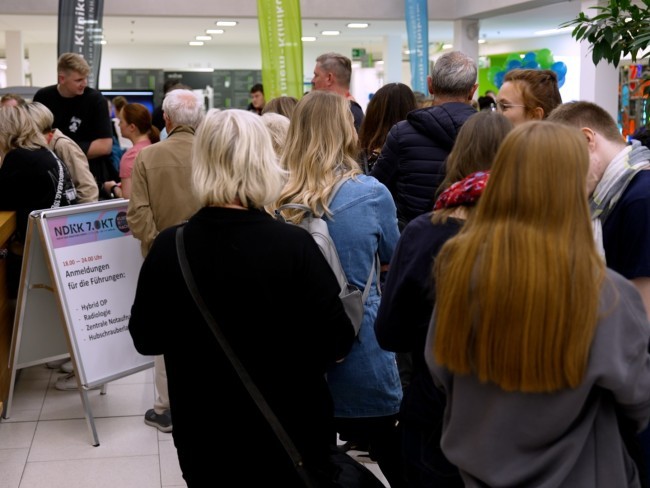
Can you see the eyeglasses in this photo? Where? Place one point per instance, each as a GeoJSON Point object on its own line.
{"type": "Point", "coordinates": [502, 107]}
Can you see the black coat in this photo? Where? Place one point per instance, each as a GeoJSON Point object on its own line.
{"type": "Point", "coordinates": [276, 300]}
{"type": "Point", "coordinates": [412, 161]}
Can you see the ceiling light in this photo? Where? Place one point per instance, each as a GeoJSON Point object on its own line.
{"type": "Point", "coordinates": [331, 32]}
{"type": "Point", "coordinates": [203, 38]}
{"type": "Point", "coordinates": [196, 43]}
{"type": "Point", "coordinates": [358, 25]}
{"type": "Point", "coordinates": [226, 23]}
{"type": "Point", "coordinates": [214, 31]}
{"type": "Point", "coordinates": [308, 39]}
{"type": "Point", "coordinates": [447, 46]}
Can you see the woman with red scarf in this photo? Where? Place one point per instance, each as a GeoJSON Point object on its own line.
{"type": "Point", "coordinates": [407, 301]}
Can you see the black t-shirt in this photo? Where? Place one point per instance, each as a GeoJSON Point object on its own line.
{"type": "Point", "coordinates": [83, 118]}
{"type": "Point", "coordinates": [357, 113]}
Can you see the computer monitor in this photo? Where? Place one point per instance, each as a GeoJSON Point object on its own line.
{"type": "Point", "coordinates": [145, 97]}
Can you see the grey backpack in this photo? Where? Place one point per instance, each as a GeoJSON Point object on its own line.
{"type": "Point", "coordinates": [353, 299]}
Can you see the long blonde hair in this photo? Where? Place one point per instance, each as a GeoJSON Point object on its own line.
{"type": "Point", "coordinates": [321, 148]}
{"type": "Point", "coordinates": [518, 289]}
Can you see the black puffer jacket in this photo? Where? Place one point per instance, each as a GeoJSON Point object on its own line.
{"type": "Point", "coordinates": [412, 161]}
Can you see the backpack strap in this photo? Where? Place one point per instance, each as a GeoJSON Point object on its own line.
{"type": "Point", "coordinates": [336, 188]}
{"type": "Point", "coordinates": [375, 263]}
{"type": "Point", "coordinates": [308, 213]}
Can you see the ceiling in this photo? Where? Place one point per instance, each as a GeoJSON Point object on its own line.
{"type": "Point", "coordinates": [166, 31]}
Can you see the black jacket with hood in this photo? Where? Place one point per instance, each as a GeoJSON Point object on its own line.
{"type": "Point", "coordinates": [412, 161]}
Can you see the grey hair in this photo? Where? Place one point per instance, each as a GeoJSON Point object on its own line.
{"type": "Point", "coordinates": [183, 107]}
{"type": "Point", "coordinates": [338, 64]}
{"type": "Point", "coordinates": [454, 74]}
{"type": "Point", "coordinates": [233, 159]}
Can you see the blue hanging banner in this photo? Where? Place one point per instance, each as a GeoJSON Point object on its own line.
{"type": "Point", "coordinates": [417, 29]}
{"type": "Point", "coordinates": [80, 32]}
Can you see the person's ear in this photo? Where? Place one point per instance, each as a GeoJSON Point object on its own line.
{"type": "Point", "coordinates": [430, 85]}
{"type": "Point", "coordinates": [60, 78]}
{"type": "Point", "coordinates": [538, 113]}
{"type": "Point", "coordinates": [590, 135]}
{"type": "Point", "coordinates": [473, 90]}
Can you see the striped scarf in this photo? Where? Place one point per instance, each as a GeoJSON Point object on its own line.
{"type": "Point", "coordinates": [617, 177]}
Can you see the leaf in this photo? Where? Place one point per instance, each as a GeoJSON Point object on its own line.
{"type": "Point", "coordinates": [596, 54]}
{"type": "Point", "coordinates": [579, 32]}
{"type": "Point", "coordinates": [608, 35]}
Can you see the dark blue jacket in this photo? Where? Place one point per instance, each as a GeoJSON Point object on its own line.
{"type": "Point", "coordinates": [412, 161]}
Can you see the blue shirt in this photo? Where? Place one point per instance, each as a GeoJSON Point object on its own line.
{"type": "Point", "coordinates": [626, 232]}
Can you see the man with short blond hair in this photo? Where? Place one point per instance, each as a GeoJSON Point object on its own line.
{"type": "Point", "coordinates": [81, 113]}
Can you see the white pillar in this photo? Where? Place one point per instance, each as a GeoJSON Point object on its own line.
{"type": "Point", "coordinates": [598, 84]}
{"type": "Point", "coordinates": [392, 57]}
{"type": "Point", "coordinates": [466, 37]}
{"type": "Point", "coordinates": [15, 58]}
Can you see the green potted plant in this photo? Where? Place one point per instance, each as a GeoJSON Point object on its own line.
{"type": "Point", "coordinates": [619, 28]}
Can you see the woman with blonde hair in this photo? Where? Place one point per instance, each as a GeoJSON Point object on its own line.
{"type": "Point", "coordinates": [408, 299]}
{"type": "Point", "coordinates": [238, 253]}
{"type": "Point", "coordinates": [281, 105]}
{"type": "Point", "coordinates": [320, 153]}
{"type": "Point", "coordinates": [67, 150]}
{"type": "Point", "coordinates": [32, 178]}
{"type": "Point", "coordinates": [534, 342]}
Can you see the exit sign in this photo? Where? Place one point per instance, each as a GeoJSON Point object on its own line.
{"type": "Point", "coordinates": [358, 52]}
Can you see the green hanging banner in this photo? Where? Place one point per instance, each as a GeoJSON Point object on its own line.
{"type": "Point", "coordinates": [281, 45]}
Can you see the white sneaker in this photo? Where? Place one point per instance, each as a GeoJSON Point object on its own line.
{"type": "Point", "coordinates": [69, 382]}
{"type": "Point", "coordinates": [56, 364]}
{"type": "Point", "coordinates": [67, 367]}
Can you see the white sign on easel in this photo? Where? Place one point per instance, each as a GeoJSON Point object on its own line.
{"type": "Point", "coordinates": [81, 266]}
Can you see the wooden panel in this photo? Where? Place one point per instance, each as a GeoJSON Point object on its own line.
{"type": "Point", "coordinates": [7, 227]}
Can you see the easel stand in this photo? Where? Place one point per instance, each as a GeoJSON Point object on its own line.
{"type": "Point", "coordinates": [79, 274]}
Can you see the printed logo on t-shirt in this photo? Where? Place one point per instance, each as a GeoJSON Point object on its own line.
{"type": "Point", "coordinates": [75, 122]}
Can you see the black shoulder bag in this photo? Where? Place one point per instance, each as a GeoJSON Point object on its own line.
{"type": "Point", "coordinates": [345, 472]}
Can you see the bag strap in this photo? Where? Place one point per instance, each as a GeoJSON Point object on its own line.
{"type": "Point", "coordinates": [239, 368]}
{"type": "Point", "coordinates": [59, 186]}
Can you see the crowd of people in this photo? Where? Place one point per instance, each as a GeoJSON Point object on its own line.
{"type": "Point", "coordinates": [505, 338]}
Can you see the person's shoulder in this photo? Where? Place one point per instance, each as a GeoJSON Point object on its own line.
{"type": "Point", "coordinates": [638, 189]}
{"type": "Point", "coordinates": [90, 93]}
{"type": "Point", "coordinates": [46, 91]}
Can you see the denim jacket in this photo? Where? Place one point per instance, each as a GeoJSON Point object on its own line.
{"type": "Point", "coordinates": [363, 223]}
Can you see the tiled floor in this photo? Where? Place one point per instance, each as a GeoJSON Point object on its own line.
{"type": "Point", "coordinates": [46, 442]}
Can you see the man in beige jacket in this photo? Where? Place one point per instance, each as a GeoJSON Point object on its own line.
{"type": "Point", "coordinates": [161, 196]}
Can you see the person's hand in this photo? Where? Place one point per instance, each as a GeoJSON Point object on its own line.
{"type": "Point", "coordinates": [113, 189]}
